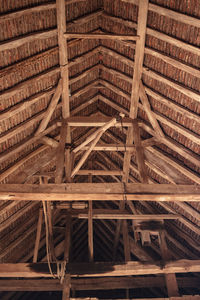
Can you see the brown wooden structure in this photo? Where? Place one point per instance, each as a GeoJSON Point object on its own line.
{"type": "Point", "coordinates": [99, 137]}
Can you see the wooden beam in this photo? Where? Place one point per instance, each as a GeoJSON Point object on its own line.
{"type": "Point", "coordinates": [100, 172]}
{"type": "Point", "coordinates": [86, 154]}
{"type": "Point", "coordinates": [50, 109]}
{"type": "Point", "coordinates": [186, 153]}
{"type": "Point", "coordinates": [118, 215]}
{"type": "Point", "coordinates": [17, 42]}
{"type": "Point", "coordinates": [138, 67]}
{"type": "Point", "coordinates": [63, 56]}
{"type": "Point", "coordinates": [150, 114]}
{"type": "Point", "coordinates": [152, 74]}
{"type": "Point", "coordinates": [99, 191]}
{"type": "Point", "coordinates": [121, 147]}
{"type": "Point", "coordinates": [139, 153]}
{"type": "Point", "coordinates": [98, 269]}
{"type": "Point", "coordinates": [169, 13]}
{"type": "Point", "coordinates": [79, 121]}
{"type": "Point", "coordinates": [60, 153]}
{"type": "Point", "coordinates": [90, 225]}
{"type": "Point", "coordinates": [96, 134]}
{"type": "Point", "coordinates": [111, 283]}
{"type": "Point", "coordinates": [38, 8]}
{"type": "Point", "coordinates": [101, 36]}
{"type": "Point", "coordinates": [139, 56]}
{"type": "Point", "coordinates": [153, 116]}
{"type": "Point", "coordinates": [67, 243]}
{"type": "Point", "coordinates": [170, 278]}
{"type": "Point", "coordinates": [25, 174]}
{"type": "Point", "coordinates": [163, 37]}
{"type": "Point", "coordinates": [66, 287]}
{"type": "Point", "coordinates": [38, 235]}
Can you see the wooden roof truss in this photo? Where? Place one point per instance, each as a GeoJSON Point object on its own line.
{"type": "Point", "coordinates": [96, 182]}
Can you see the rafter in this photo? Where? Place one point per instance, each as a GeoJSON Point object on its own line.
{"type": "Point", "coordinates": [168, 141]}
{"type": "Point", "coordinates": [152, 74]}
{"type": "Point", "coordinates": [50, 109]}
{"type": "Point", "coordinates": [169, 13]}
{"type": "Point", "coordinates": [177, 127]}
{"type": "Point", "coordinates": [154, 33]}
{"type": "Point", "coordinates": [34, 9]}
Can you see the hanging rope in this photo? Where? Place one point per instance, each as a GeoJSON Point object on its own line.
{"type": "Point", "coordinates": [61, 265]}
{"type": "Point", "coordinates": [47, 238]}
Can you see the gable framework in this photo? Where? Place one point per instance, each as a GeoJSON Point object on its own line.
{"type": "Point", "coordinates": [100, 116]}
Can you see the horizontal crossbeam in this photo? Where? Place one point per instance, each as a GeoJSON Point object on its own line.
{"type": "Point", "coordinates": [99, 191]}
{"type": "Point", "coordinates": [101, 36]}
{"type": "Point", "coordinates": [35, 285]}
{"type": "Point", "coordinates": [99, 269]}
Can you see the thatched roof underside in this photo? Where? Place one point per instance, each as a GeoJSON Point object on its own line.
{"type": "Point", "coordinates": [100, 78]}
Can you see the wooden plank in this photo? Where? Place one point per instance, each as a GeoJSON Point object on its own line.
{"type": "Point", "coordinates": [25, 104]}
{"type": "Point", "coordinates": [66, 287]}
{"type": "Point", "coordinates": [154, 116]}
{"type": "Point", "coordinates": [50, 109]}
{"type": "Point", "coordinates": [63, 56]}
{"type": "Point", "coordinates": [67, 243]}
{"type": "Point", "coordinates": [25, 174]}
{"type": "Point", "coordinates": [38, 235]}
{"type": "Point", "coordinates": [100, 172]}
{"type": "Point", "coordinates": [60, 153]}
{"type": "Point", "coordinates": [91, 121]}
{"type": "Point", "coordinates": [94, 135]}
{"type": "Point", "coordinates": [126, 241]}
{"type": "Point", "coordinates": [140, 157]}
{"type": "Point", "coordinates": [170, 278]}
{"type": "Point", "coordinates": [99, 191]}
{"type": "Point", "coordinates": [86, 154]}
{"type": "Point", "coordinates": [101, 36]}
{"type": "Point", "coordinates": [186, 153]}
{"type": "Point", "coordinates": [138, 67]}
{"type": "Point", "coordinates": [169, 13]}
{"type": "Point", "coordinates": [159, 35]}
{"type": "Point", "coordinates": [192, 116]}
{"type": "Point", "coordinates": [149, 112]}
{"type": "Point", "coordinates": [98, 188]}
{"type": "Point", "coordinates": [189, 93]}
{"type": "Point", "coordinates": [90, 225]}
{"type": "Point", "coordinates": [23, 126]}
{"type": "Point", "coordinates": [111, 283]}
{"type": "Point", "coordinates": [100, 269]}
{"type": "Point", "coordinates": [139, 56]}
{"type": "Point", "coordinates": [17, 42]}
{"type": "Point", "coordinates": [112, 215]}
{"type": "Point", "coordinates": [38, 8]}
{"type": "Point", "coordinates": [121, 147]}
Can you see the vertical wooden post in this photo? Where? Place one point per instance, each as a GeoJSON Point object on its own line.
{"type": "Point", "coordinates": [137, 75]}
{"type": "Point", "coordinates": [63, 56]}
{"type": "Point", "coordinates": [171, 282]}
{"type": "Point", "coordinates": [38, 235]}
{"type": "Point", "coordinates": [63, 60]}
{"type": "Point", "coordinates": [61, 154]}
{"type": "Point", "coordinates": [66, 288]}
{"type": "Point", "coordinates": [139, 152]}
{"type": "Point", "coordinates": [90, 227]}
